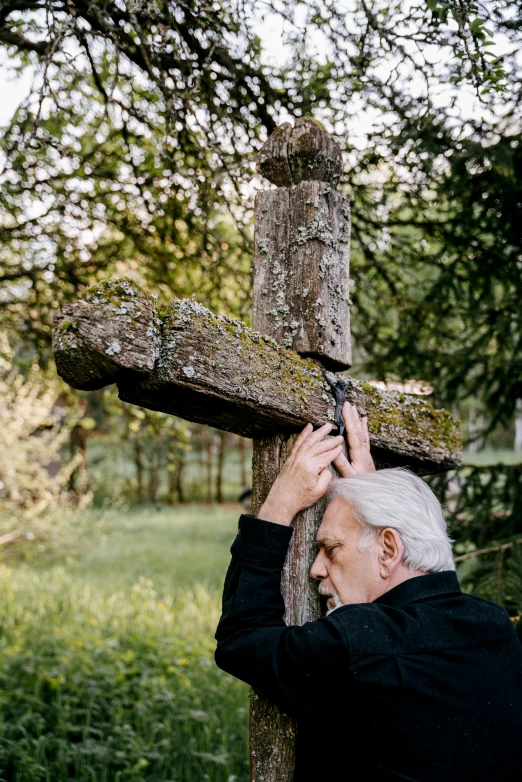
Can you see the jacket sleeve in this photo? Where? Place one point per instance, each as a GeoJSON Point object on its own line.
{"type": "Point", "coordinates": [289, 664]}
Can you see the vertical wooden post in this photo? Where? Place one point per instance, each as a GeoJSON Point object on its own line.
{"type": "Point", "coordinates": [301, 269]}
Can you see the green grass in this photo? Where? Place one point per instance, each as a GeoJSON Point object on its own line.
{"type": "Point", "coordinates": [106, 656]}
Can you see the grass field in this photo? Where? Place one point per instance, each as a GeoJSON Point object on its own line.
{"type": "Point", "coordinates": [106, 655]}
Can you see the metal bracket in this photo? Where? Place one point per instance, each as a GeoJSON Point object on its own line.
{"type": "Point", "coordinates": [338, 386]}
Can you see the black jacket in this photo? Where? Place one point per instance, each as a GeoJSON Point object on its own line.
{"type": "Point", "coordinates": [425, 683]}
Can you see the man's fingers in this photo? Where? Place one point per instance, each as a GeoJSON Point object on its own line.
{"type": "Point", "coordinates": [323, 482]}
{"type": "Point", "coordinates": [324, 459]}
{"type": "Point", "coordinates": [356, 432]}
{"type": "Point", "coordinates": [343, 466]}
{"type": "Point", "coordinates": [325, 445]}
{"type": "Point", "coordinates": [351, 416]}
{"type": "Point", "coordinates": [313, 437]}
{"type": "Point", "coordinates": [302, 437]}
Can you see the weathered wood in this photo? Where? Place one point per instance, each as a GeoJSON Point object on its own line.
{"type": "Point", "coordinates": [188, 362]}
{"type": "Point", "coordinates": [272, 733]}
{"type": "Point", "coordinates": [273, 158]}
{"type": "Point", "coordinates": [216, 371]}
{"type": "Point", "coordinates": [301, 270]}
{"type": "Point", "coordinates": [301, 153]}
{"type": "Point", "coordinates": [302, 246]}
{"type": "Point", "coordinates": [113, 328]}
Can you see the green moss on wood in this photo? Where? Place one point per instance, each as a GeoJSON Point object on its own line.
{"type": "Point", "coordinates": [67, 326]}
{"type": "Point", "coordinates": [392, 412]}
{"type": "Point", "coordinates": [296, 375]}
{"type": "Point", "coordinates": [112, 291]}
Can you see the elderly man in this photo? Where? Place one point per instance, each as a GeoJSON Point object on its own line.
{"type": "Point", "coordinates": [406, 677]}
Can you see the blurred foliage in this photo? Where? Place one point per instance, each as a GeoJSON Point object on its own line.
{"type": "Point", "coordinates": [483, 508]}
{"type": "Point", "coordinates": [482, 503]}
{"type": "Point", "coordinates": [159, 444]}
{"type": "Point", "coordinates": [34, 476]}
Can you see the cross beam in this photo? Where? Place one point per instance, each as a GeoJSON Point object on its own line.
{"type": "Point", "coordinates": [186, 361]}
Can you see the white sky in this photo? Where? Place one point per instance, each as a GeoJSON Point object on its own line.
{"type": "Point", "coordinates": [12, 92]}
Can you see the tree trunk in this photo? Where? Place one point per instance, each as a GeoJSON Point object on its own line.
{"type": "Point", "coordinates": [476, 427]}
{"type": "Point", "coordinates": [220, 462]}
{"type": "Point", "coordinates": [175, 480]}
{"type": "Point", "coordinates": [518, 426]}
{"type": "Point", "coordinates": [209, 450]}
{"type": "Point", "coordinates": [78, 481]}
{"type": "Point", "coordinates": [180, 464]}
{"type": "Point", "coordinates": [242, 461]}
{"type": "Point", "coordinates": [138, 463]}
{"type": "Point", "coordinates": [171, 484]}
{"type": "Point", "coordinates": [155, 471]}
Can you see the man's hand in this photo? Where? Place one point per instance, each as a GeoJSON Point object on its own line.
{"type": "Point", "coordinates": [358, 444]}
{"type": "Point", "coordinates": [305, 477]}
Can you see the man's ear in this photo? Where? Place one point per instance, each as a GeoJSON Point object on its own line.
{"type": "Point", "coordinates": [390, 551]}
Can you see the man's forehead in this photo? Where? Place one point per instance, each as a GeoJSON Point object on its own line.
{"type": "Point", "coordinates": [326, 540]}
{"type": "Point", "coordinates": [337, 523]}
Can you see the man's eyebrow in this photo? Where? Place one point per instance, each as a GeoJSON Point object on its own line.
{"type": "Point", "coordinates": [326, 540]}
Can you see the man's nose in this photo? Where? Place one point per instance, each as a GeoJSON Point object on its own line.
{"type": "Point", "coordinates": [318, 569]}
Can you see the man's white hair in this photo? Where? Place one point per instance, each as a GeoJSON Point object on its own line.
{"type": "Point", "coordinates": [399, 499]}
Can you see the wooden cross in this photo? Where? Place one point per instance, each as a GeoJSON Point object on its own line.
{"type": "Point", "coordinates": [266, 382]}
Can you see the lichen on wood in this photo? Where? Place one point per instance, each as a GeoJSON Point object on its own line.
{"type": "Point", "coordinates": [302, 245]}
{"type": "Point", "coordinates": [216, 370]}
{"type": "Point", "coordinates": [300, 299]}
{"type": "Point", "coordinates": [112, 329]}
{"type": "Point", "coordinates": [301, 271]}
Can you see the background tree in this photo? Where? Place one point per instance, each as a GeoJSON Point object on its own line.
{"type": "Point", "coordinates": [133, 148]}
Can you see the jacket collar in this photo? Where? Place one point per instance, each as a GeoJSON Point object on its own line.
{"type": "Point", "coordinates": [420, 588]}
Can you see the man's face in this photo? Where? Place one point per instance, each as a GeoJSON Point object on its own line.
{"type": "Point", "coordinates": [345, 572]}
